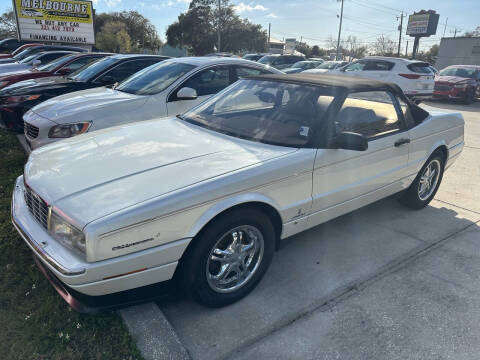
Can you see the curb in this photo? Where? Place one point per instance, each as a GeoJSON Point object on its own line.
{"type": "Point", "coordinates": [155, 337]}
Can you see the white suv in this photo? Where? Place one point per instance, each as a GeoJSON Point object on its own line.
{"type": "Point", "coordinates": [414, 77]}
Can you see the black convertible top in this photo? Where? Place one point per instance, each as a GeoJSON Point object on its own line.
{"type": "Point", "coordinates": [346, 84]}
{"type": "Point", "coordinates": [341, 82]}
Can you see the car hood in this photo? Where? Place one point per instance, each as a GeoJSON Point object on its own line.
{"type": "Point", "coordinates": [451, 79]}
{"type": "Point", "coordinates": [316, 71]}
{"type": "Point", "coordinates": [87, 103]}
{"type": "Point", "coordinates": [96, 174]}
{"type": "Point", "coordinates": [9, 75]}
{"type": "Point", "coordinates": [15, 67]}
{"type": "Point", "coordinates": [37, 85]}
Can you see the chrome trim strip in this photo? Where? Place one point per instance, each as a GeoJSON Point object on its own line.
{"type": "Point", "coordinates": [38, 250]}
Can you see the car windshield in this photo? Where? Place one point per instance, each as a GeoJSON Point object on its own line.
{"type": "Point", "coordinates": [265, 111]}
{"type": "Point", "coordinates": [459, 71]}
{"type": "Point", "coordinates": [55, 63]}
{"type": "Point", "coordinates": [91, 70]}
{"type": "Point", "coordinates": [23, 54]}
{"type": "Point", "coordinates": [267, 60]}
{"type": "Point", "coordinates": [28, 59]}
{"type": "Point", "coordinates": [301, 64]}
{"type": "Point", "coordinates": [329, 65]}
{"type": "Point", "coordinates": [155, 78]}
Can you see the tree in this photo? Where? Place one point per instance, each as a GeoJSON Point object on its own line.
{"type": "Point", "coordinates": [197, 29]}
{"type": "Point", "coordinates": [8, 25]}
{"type": "Point", "coordinates": [113, 37]}
{"type": "Point", "coordinates": [142, 33]}
{"type": "Point", "coordinates": [304, 48]}
{"type": "Point", "coordinates": [353, 48]}
{"type": "Point", "coordinates": [473, 33]}
{"type": "Point", "coordinates": [430, 55]}
{"type": "Point", "coordinates": [383, 46]}
{"type": "Point", "coordinates": [317, 51]}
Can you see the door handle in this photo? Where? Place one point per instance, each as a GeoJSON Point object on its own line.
{"type": "Point", "coordinates": [401, 142]}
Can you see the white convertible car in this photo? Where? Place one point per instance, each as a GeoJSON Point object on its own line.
{"type": "Point", "coordinates": [205, 197]}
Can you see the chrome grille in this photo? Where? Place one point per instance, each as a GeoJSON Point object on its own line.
{"type": "Point", "coordinates": [440, 87]}
{"type": "Point", "coordinates": [30, 130]}
{"type": "Point", "coordinates": [37, 206]}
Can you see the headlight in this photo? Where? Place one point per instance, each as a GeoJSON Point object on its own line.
{"type": "Point", "coordinates": [17, 99]}
{"type": "Point", "coordinates": [68, 130]}
{"type": "Point", "coordinates": [461, 86]}
{"type": "Point", "coordinates": [65, 233]}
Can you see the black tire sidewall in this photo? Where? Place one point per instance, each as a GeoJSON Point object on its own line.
{"type": "Point", "coordinates": [193, 274]}
{"type": "Point", "coordinates": [411, 197]}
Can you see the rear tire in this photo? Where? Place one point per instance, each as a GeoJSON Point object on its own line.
{"type": "Point", "coordinates": [470, 97]}
{"type": "Point", "coordinates": [228, 258]}
{"type": "Point", "coordinates": [426, 184]}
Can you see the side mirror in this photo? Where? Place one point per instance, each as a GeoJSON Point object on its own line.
{"type": "Point", "coordinates": [187, 93]}
{"type": "Point", "coordinates": [351, 141]}
{"type": "Point", "coordinates": [36, 62]}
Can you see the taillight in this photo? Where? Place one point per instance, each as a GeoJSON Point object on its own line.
{"type": "Point", "coordinates": [410, 76]}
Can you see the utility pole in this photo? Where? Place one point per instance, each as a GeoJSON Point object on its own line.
{"type": "Point", "coordinates": [445, 28]}
{"type": "Point", "coordinates": [269, 28]}
{"type": "Point", "coordinates": [400, 35]}
{"type": "Point", "coordinates": [339, 33]}
{"type": "Point", "coordinates": [455, 34]}
{"type": "Point", "coordinates": [406, 50]}
{"type": "Point", "coordinates": [218, 28]}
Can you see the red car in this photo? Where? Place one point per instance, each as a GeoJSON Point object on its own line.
{"type": "Point", "coordinates": [18, 50]}
{"type": "Point", "coordinates": [458, 82]}
{"type": "Point", "coordinates": [61, 66]}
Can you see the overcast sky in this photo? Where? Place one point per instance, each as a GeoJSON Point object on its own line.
{"type": "Point", "coordinates": [316, 20]}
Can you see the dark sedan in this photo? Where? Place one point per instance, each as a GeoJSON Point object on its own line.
{"type": "Point", "coordinates": [16, 99]}
{"type": "Point", "coordinates": [62, 66]}
{"type": "Point", "coordinates": [17, 51]}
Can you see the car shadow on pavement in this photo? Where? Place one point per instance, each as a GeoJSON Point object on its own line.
{"type": "Point", "coordinates": [315, 268]}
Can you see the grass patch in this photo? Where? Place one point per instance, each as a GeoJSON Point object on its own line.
{"type": "Point", "coordinates": [35, 322]}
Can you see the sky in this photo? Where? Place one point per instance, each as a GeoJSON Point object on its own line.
{"type": "Point", "coordinates": [314, 21]}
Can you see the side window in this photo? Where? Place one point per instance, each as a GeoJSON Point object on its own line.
{"type": "Point", "coordinates": [77, 64]}
{"type": "Point", "coordinates": [371, 114]}
{"type": "Point", "coordinates": [242, 71]}
{"type": "Point", "coordinates": [124, 70]}
{"type": "Point", "coordinates": [378, 66]}
{"type": "Point", "coordinates": [209, 81]}
{"type": "Point", "coordinates": [49, 57]}
{"type": "Point", "coordinates": [356, 66]}
{"type": "Point", "coordinates": [281, 60]}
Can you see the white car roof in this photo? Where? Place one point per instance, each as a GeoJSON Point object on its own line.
{"type": "Point", "coordinates": [209, 60]}
{"type": "Point", "coordinates": [394, 59]}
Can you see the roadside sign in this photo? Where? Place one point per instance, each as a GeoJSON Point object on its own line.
{"type": "Point", "coordinates": [423, 24]}
{"type": "Point", "coordinates": [65, 21]}
{"type": "Point", "coordinates": [290, 46]}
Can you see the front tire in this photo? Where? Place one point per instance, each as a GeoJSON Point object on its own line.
{"type": "Point", "coordinates": [228, 258]}
{"type": "Point", "coordinates": [426, 184]}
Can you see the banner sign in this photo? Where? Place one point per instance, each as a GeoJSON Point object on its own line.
{"type": "Point", "coordinates": [65, 21]}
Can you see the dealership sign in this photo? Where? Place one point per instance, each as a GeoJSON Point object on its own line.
{"type": "Point", "coordinates": [423, 24]}
{"type": "Point", "coordinates": [62, 21]}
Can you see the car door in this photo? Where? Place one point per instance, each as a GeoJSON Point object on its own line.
{"type": "Point", "coordinates": [344, 180]}
{"type": "Point", "coordinates": [206, 83]}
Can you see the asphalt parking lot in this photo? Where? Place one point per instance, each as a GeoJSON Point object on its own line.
{"type": "Point", "coordinates": [383, 282]}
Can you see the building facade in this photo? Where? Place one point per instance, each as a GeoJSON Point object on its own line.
{"type": "Point", "coordinates": [458, 51]}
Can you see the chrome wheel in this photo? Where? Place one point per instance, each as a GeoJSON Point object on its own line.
{"type": "Point", "coordinates": [234, 258]}
{"type": "Point", "coordinates": [429, 179]}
